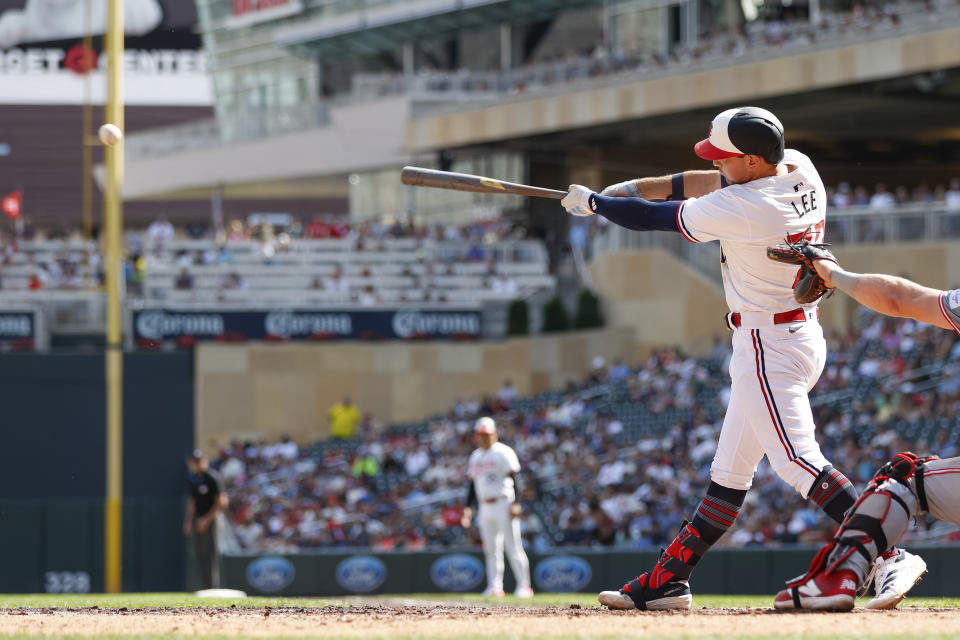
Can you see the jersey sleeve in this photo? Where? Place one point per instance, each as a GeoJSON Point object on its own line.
{"type": "Point", "coordinates": [216, 484]}
{"type": "Point", "coordinates": [513, 463]}
{"type": "Point", "coordinates": [792, 156]}
{"type": "Point", "coordinates": [471, 466]}
{"type": "Point", "coordinates": [950, 307]}
{"type": "Point", "coordinates": [715, 216]}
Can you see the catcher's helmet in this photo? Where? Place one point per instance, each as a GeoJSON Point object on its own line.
{"type": "Point", "coordinates": [743, 131]}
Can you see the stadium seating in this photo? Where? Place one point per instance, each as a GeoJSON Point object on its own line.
{"type": "Point", "coordinates": [890, 387]}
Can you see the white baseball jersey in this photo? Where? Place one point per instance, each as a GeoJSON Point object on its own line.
{"type": "Point", "coordinates": [746, 219]}
{"type": "Point", "coordinates": [773, 366]}
{"type": "Point", "coordinates": [490, 471]}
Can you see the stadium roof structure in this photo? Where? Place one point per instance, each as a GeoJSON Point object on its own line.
{"type": "Point", "coordinates": [374, 28]}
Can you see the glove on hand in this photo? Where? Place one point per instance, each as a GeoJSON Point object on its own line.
{"type": "Point", "coordinates": [808, 286]}
{"type": "Point", "coordinates": [578, 201]}
{"type": "Point", "coordinates": [626, 189]}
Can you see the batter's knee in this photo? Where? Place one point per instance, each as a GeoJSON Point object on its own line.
{"type": "Point", "coordinates": [798, 477]}
{"type": "Point", "coordinates": [730, 479]}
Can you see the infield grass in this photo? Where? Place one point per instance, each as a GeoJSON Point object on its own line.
{"type": "Point", "coordinates": [150, 600]}
{"type": "Point", "coordinates": [847, 626]}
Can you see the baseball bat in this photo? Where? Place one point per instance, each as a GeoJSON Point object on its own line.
{"type": "Point", "coordinates": [420, 177]}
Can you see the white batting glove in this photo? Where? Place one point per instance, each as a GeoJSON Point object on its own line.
{"type": "Point", "coordinates": [628, 189]}
{"type": "Point", "coordinates": [577, 201]}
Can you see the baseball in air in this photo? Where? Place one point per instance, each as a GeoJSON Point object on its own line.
{"type": "Point", "coordinates": [110, 134]}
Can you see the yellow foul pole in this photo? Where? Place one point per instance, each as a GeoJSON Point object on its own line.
{"type": "Point", "coordinates": [113, 223]}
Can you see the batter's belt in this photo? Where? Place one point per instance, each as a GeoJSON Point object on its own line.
{"type": "Point", "coordinates": [761, 319]}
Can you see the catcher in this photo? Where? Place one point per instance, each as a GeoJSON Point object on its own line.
{"type": "Point", "coordinates": [908, 485]}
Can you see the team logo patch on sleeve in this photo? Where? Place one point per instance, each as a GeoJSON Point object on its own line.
{"type": "Point", "coordinates": [953, 300]}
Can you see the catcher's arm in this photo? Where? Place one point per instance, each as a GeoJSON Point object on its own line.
{"type": "Point", "coordinates": [890, 295]}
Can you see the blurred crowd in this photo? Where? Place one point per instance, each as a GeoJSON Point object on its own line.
{"type": "Point", "coordinates": [612, 459]}
{"type": "Point", "coordinates": [69, 264]}
{"type": "Point", "coordinates": [783, 28]}
{"type": "Point", "coordinates": [65, 262]}
{"type": "Point", "coordinates": [880, 198]}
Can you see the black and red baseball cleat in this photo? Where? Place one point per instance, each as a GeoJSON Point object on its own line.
{"type": "Point", "coordinates": [835, 591]}
{"type": "Point", "coordinates": [635, 595]}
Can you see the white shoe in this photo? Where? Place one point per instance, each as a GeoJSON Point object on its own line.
{"type": "Point", "coordinates": [616, 600]}
{"type": "Point", "coordinates": [490, 592]}
{"type": "Point", "coordinates": [895, 577]}
{"type": "Point", "coordinates": [672, 595]}
{"type": "Point", "coordinates": [523, 592]}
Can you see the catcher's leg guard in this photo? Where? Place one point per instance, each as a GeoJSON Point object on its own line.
{"type": "Point", "coordinates": [878, 519]}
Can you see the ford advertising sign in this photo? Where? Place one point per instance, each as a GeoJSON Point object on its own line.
{"type": "Point", "coordinates": [361, 574]}
{"type": "Point", "coordinates": [270, 574]}
{"type": "Point", "coordinates": [562, 574]}
{"type": "Point", "coordinates": [457, 572]}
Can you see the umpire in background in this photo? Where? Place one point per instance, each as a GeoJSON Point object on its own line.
{"type": "Point", "coordinates": [206, 500]}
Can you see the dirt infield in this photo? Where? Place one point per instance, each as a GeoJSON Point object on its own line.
{"type": "Point", "coordinates": [445, 621]}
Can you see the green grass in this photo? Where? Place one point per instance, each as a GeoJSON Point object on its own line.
{"type": "Point", "coordinates": [141, 600]}
{"type": "Point", "coordinates": [146, 600]}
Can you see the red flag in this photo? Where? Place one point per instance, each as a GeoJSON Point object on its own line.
{"type": "Point", "coordinates": [12, 204]}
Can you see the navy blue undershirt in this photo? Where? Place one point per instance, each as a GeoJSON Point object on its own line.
{"type": "Point", "coordinates": [638, 214]}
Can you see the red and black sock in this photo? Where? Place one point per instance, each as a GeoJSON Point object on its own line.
{"type": "Point", "coordinates": [718, 511]}
{"type": "Point", "coordinates": [834, 493]}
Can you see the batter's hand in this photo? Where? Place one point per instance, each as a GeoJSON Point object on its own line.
{"type": "Point", "coordinates": [578, 201]}
{"type": "Point", "coordinates": [466, 518]}
{"type": "Point", "coordinates": [628, 189]}
{"type": "Point", "coordinates": [515, 510]}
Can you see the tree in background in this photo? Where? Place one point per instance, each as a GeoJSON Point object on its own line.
{"type": "Point", "coordinates": [589, 315]}
{"type": "Point", "coordinates": [518, 318]}
{"type": "Point", "coordinates": [555, 316]}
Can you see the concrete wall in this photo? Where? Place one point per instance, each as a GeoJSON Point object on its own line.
{"type": "Point", "coordinates": [662, 298]}
{"type": "Point", "coordinates": [651, 299]}
{"type": "Point", "coordinates": [934, 265]}
{"type": "Point", "coordinates": [264, 390]}
{"type": "Point", "coordinates": [665, 301]}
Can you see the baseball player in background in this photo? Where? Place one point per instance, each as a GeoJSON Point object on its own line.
{"type": "Point", "coordinates": [906, 486]}
{"type": "Point", "coordinates": [759, 195]}
{"type": "Point", "coordinates": [491, 469]}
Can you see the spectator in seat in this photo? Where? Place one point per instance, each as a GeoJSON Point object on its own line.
{"type": "Point", "coordinates": [952, 196]}
{"type": "Point", "coordinates": [507, 393]}
{"type": "Point", "coordinates": [184, 280]}
{"type": "Point", "coordinates": [336, 282]}
{"type": "Point", "coordinates": [882, 200]}
{"type": "Point", "coordinates": [505, 285]}
{"type": "Point", "coordinates": [160, 232]}
{"type": "Point", "coordinates": [344, 417]}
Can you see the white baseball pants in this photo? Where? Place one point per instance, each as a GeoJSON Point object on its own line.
{"type": "Point", "coordinates": [772, 369]}
{"type": "Point", "coordinates": [499, 532]}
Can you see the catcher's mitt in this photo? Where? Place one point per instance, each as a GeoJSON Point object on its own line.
{"type": "Point", "coordinates": [808, 286]}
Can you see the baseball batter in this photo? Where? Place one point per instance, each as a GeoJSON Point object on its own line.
{"type": "Point", "coordinates": [491, 469]}
{"type": "Point", "coordinates": [760, 195]}
{"type": "Point", "coordinates": [906, 486]}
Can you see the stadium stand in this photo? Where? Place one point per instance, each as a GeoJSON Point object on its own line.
{"type": "Point", "coordinates": [754, 40]}
{"type": "Point", "coordinates": [606, 459]}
